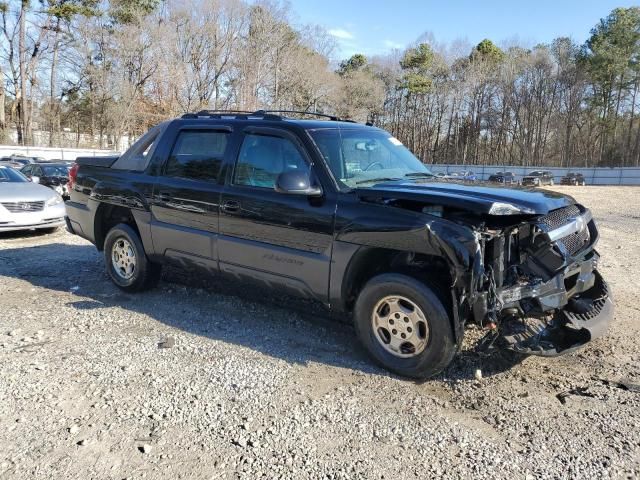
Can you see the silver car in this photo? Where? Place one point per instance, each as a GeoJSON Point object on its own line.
{"type": "Point", "coordinates": [27, 206]}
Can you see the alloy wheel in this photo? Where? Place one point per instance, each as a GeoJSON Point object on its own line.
{"type": "Point", "coordinates": [400, 326]}
{"type": "Point", "coordinates": [123, 258]}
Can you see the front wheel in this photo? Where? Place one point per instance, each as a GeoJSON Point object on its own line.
{"type": "Point", "coordinates": [404, 326]}
{"type": "Point", "coordinates": [126, 261]}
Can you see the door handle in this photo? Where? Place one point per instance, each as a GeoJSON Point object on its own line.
{"type": "Point", "coordinates": [231, 206]}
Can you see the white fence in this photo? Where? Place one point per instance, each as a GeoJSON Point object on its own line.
{"type": "Point", "coordinates": [593, 176]}
{"type": "Point", "coordinates": [71, 140]}
{"type": "Point", "coordinates": [53, 153]}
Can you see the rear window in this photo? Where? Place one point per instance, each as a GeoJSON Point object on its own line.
{"type": "Point", "coordinates": [197, 155]}
{"type": "Point", "coordinates": [138, 156]}
{"type": "Point", "coordinates": [55, 171]}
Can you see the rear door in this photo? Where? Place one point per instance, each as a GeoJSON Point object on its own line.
{"type": "Point", "coordinates": [280, 239]}
{"type": "Point", "coordinates": [186, 196]}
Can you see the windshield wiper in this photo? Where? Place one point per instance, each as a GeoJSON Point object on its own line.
{"type": "Point", "coordinates": [419, 174]}
{"type": "Point", "coordinates": [381, 179]}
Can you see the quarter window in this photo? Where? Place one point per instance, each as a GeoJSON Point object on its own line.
{"type": "Point", "coordinates": [197, 155]}
{"type": "Point", "coordinates": [262, 158]}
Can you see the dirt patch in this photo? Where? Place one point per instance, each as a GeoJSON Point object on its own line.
{"type": "Point", "coordinates": [248, 389]}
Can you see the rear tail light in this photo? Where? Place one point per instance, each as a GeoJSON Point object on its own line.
{"type": "Point", "coordinates": [73, 174]}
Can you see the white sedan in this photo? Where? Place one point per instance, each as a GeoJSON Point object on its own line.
{"type": "Point", "coordinates": [27, 206]}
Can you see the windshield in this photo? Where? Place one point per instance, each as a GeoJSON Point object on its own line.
{"type": "Point", "coordinates": [11, 175]}
{"type": "Point", "coordinates": [364, 156]}
{"type": "Point", "coordinates": [55, 171]}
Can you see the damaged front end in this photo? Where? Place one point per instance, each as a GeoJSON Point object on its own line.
{"type": "Point", "coordinates": [542, 293]}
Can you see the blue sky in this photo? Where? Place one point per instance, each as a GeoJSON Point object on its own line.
{"type": "Point", "coordinates": [376, 26]}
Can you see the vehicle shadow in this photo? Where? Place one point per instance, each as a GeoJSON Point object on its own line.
{"type": "Point", "coordinates": [214, 307]}
{"type": "Point", "coordinates": [24, 234]}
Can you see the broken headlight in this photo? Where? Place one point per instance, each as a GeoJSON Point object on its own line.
{"type": "Point", "coordinates": [501, 208]}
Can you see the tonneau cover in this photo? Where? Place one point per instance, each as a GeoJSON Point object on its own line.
{"type": "Point", "coordinates": [105, 162]}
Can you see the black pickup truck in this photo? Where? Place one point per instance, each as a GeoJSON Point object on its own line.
{"type": "Point", "coordinates": [344, 214]}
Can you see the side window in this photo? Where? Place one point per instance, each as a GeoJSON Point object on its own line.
{"type": "Point", "coordinates": [36, 171]}
{"type": "Point", "coordinates": [197, 155]}
{"type": "Point", "coordinates": [262, 158]}
{"type": "Point", "coordinates": [26, 170]}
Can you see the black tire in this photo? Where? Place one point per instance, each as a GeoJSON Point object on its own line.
{"type": "Point", "coordinates": [440, 348]}
{"type": "Point", "coordinates": [146, 273]}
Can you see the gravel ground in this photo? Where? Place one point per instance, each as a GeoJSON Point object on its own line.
{"type": "Point", "coordinates": [195, 380]}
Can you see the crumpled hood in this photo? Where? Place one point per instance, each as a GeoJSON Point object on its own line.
{"type": "Point", "coordinates": [477, 198]}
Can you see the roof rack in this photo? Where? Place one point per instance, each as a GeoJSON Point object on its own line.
{"type": "Point", "coordinates": [333, 118]}
{"type": "Point", "coordinates": [265, 114]}
{"type": "Point", "coordinates": [215, 113]}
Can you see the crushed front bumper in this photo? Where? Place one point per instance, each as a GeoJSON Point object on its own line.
{"type": "Point", "coordinates": [560, 315]}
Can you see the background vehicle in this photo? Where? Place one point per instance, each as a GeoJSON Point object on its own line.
{"type": "Point", "coordinates": [27, 206]}
{"type": "Point", "coordinates": [52, 175]}
{"type": "Point", "coordinates": [344, 214]}
{"type": "Point", "coordinates": [506, 178]}
{"type": "Point", "coordinates": [573, 179]}
{"type": "Point", "coordinates": [466, 176]}
{"type": "Point", "coordinates": [538, 178]}
{"type": "Point", "coordinates": [7, 162]}
{"type": "Point", "coordinates": [20, 159]}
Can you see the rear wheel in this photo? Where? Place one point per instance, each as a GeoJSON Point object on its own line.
{"type": "Point", "coordinates": [126, 261]}
{"type": "Point", "coordinates": [404, 326]}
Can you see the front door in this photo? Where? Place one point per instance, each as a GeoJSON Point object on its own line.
{"type": "Point", "coordinates": [283, 240]}
{"type": "Point", "coordinates": [186, 196]}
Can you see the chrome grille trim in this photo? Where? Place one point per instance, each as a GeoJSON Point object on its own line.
{"type": "Point", "coordinates": [568, 226]}
{"type": "Point", "coordinates": [560, 217]}
{"type": "Point", "coordinates": [23, 207]}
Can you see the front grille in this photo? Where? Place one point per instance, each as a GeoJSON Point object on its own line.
{"type": "Point", "coordinates": [576, 241]}
{"type": "Point", "coordinates": [560, 217]}
{"type": "Point", "coordinates": [573, 242]}
{"type": "Point", "coordinates": [23, 207]}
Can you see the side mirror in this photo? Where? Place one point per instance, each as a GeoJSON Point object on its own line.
{"type": "Point", "coordinates": [296, 182]}
{"type": "Point", "coordinates": [35, 179]}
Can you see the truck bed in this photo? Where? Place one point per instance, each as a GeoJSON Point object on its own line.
{"type": "Point", "coordinates": [105, 162]}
